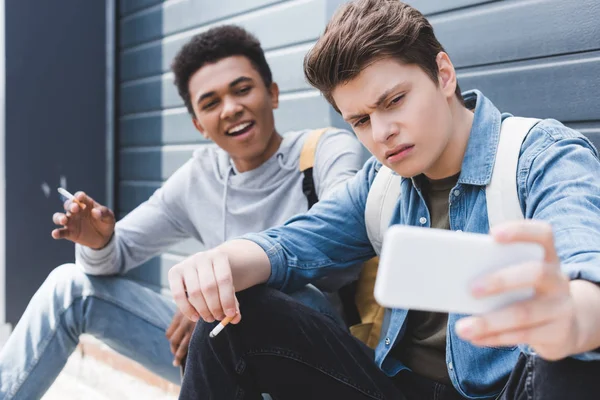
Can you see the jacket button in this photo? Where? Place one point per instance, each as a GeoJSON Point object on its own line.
{"type": "Point", "coordinates": [450, 366]}
{"type": "Point", "coordinates": [387, 341]}
{"type": "Point", "coordinates": [423, 220]}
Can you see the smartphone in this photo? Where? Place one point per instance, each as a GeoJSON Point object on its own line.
{"type": "Point", "coordinates": [433, 269]}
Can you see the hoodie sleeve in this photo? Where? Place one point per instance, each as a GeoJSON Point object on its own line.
{"type": "Point", "coordinates": [147, 231]}
{"type": "Point", "coordinates": [339, 157]}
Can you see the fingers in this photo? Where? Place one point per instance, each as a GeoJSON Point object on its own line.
{"type": "Point", "coordinates": [224, 281]}
{"type": "Point", "coordinates": [515, 337]}
{"type": "Point", "coordinates": [60, 219]}
{"type": "Point", "coordinates": [182, 350]}
{"type": "Point", "coordinates": [71, 207]}
{"type": "Point", "coordinates": [62, 233]}
{"type": "Point", "coordinates": [238, 317]}
{"type": "Point", "coordinates": [541, 336]}
{"type": "Point", "coordinates": [84, 200]}
{"type": "Point", "coordinates": [196, 295]}
{"type": "Point", "coordinates": [80, 202]}
{"type": "Point", "coordinates": [177, 286]}
{"type": "Point", "coordinates": [174, 324]}
{"type": "Point", "coordinates": [182, 329]}
{"type": "Point", "coordinates": [530, 231]}
{"type": "Point", "coordinates": [207, 279]}
{"type": "Point", "coordinates": [103, 214]}
{"type": "Point", "coordinates": [520, 316]}
{"type": "Point", "coordinates": [543, 277]}
{"type": "Point", "coordinates": [210, 290]}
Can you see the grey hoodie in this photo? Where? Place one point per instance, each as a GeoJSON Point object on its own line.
{"type": "Point", "coordinates": [207, 199]}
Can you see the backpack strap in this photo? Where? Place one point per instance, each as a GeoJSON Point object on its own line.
{"type": "Point", "coordinates": [501, 193]}
{"type": "Point", "coordinates": [306, 164]}
{"type": "Point", "coordinates": [381, 202]}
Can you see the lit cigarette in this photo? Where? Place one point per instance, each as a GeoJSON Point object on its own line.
{"type": "Point", "coordinates": [71, 197]}
{"type": "Point", "coordinates": [217, 329]}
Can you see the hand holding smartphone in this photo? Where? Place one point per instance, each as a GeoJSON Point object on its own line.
{"type": "Point", "coordinates": [433, 270]}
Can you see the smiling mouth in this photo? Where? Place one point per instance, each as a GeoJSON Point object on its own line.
{"type": "Point", "coordinates": [240, 129]}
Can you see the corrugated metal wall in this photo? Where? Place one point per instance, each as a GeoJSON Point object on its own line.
{"type": "Point", "coordinates": [537, 58]}
{"type": "Point", "coordinates": [155, 133]}
{"type": "Point", "coordinates": [533, 58]}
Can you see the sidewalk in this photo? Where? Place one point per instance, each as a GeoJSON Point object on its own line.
{"type": "Point", "coordinates": [85, 378]}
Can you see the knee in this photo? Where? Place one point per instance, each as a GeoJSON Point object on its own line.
{"type": "Point", "coordinates": [262, 300]}
{"type": "Point", "coordinates": [65, 281]}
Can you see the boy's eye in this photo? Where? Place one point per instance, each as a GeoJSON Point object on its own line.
{"type": "Point", "coordinates": [244, 90]}
{"type": "Point", "coordinates": [361, 121]}
{"type": "Point", "coordinates": [397, 99]}
{"type": "Point", "coordinates": [210, 105]}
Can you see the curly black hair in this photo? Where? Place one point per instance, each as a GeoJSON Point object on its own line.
{"type": "Point", "coordinates": [214, 45]}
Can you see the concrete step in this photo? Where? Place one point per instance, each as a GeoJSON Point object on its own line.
{"type": "Point", "coordinates": [88, 376]}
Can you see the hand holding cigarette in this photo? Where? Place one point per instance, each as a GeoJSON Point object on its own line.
{"type": "Point", "coordinates": [217, 329]}
{"type": "Point", "coordinates": [202, 286]}
{"type": "Point", "coordinates": [69, 196]}
{"type": "Point", "coordinates": [84, 221]}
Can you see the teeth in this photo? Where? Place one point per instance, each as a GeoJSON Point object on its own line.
{"type": "Point", "coordinates": [239, 127]}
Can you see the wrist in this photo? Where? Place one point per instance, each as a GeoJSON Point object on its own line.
{"type": "Point", "coordinates": [586, 298]}
{"type": "Point", "coordinates": [103, 246]}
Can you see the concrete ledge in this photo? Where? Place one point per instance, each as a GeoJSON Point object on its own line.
{"type": "Point", "coordinates": [92, 347]}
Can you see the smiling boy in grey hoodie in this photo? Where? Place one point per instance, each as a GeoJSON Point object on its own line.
{"type": "Point", "coordinates": [248, 181]}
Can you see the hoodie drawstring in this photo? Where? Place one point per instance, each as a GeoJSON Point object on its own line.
{"type": "Point", "coordinates": [225, 186]}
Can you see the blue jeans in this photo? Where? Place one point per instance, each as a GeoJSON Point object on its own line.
{"type": "Point", "coordinates": [128, 317]}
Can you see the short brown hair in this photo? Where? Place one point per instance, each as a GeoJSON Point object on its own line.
{"type": "Point", "coordinates": [364, 31]}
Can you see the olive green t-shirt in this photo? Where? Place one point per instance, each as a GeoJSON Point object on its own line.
{"type": "Point", "coordinates": [423, 347]}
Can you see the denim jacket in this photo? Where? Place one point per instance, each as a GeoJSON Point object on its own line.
{"type": "Point", "coordinates": [558, 180]}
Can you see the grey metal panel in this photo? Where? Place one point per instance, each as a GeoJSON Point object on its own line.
{"type": "Point", "coordinates": [564, 88]}
{"type": "Point", "coordinates": [302, 112]}
{"type": "Point", "coordinates": [149, 94]}
{"type": "Point", "coordinates": [294, 22]}
{"type": "Point", "coordinates": [428, 7]}
{"type": "Point", "coordinates": [152, 164]}
{"type": "Point", "coordinates": [159, 92]}
{"type": "Point", "coordinates": [171, 127]}
{"type": "Point", "coordinates": [178, 16]}
{"type": "Point", "coordinates": [517, 30]}
{"type": "Point", "coordinates": [130, 6]}
{"type": "Point", "coordinates": [591, 129]}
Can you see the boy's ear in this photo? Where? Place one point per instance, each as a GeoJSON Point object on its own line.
{"type": "Point", "coordinates": [446, 74]}
{"type": "Point", "coordinates": [274, 92]}
{"type": "Point", "coordinates": [200, 128]}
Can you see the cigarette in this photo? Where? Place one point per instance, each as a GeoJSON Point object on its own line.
{"type": "Point", "coordinates": [69, 196]}
{"type": "Point", "coordinates": [217, 329]}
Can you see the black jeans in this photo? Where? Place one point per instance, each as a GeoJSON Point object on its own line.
{"type": "Point", "coordinates": [292, 352]}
